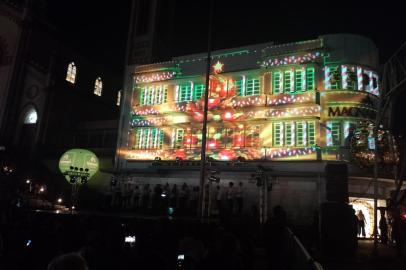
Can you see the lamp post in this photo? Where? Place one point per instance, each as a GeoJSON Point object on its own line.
{"type": "Point", "coordinates": [29, 182]}
{"type": "Point", "coordinates": [204, 128]}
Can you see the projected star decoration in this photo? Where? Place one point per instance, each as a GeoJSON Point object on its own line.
{"type": "Point", "coordinates": [218, 67]}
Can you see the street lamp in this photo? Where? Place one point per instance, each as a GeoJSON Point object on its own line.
{"type": "Point", "coordinates": [59, 200]}
{"type": "Point", "coordinates": [29, 182]}
{"type": "Point", "coordinates": [42, 189]}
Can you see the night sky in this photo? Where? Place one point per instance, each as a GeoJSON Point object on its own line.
{"type": "Point", "coordinates": [99, 31]}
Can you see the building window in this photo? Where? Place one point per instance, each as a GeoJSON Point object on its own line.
{"type": "Point", "coordinates": [31, 116]}
{"type": "Point", "coordinates": [253, 87]}
{"type": "Point", "coordinates": [153, 95]}
{"type": "Point", "coordinates": [288, 83]}
{"type": "Point", "coordinates": [184, 92]}
{"type": "Point", "coordinates": [277, 82]}
{"type": "Point", "coordinates": [118, 101]}
{"type": "Point", "coordinates": [277, 134]}
{"type": "Point", "coordinates": [179, 138]}
{"type": "Point", "coordinates": [71, 73]}
{"type": "Point", "coordinates": [253, 136]}
{"type": "Point", "coordinates": [333, 133]}
{"type": "Point", "coordinates": [311, 133]}
{"type": "Point", "coordinates": [240, 87]}
{"type": "Point", "coordinates": [310, 79]}
{"type": "Point", "coordinates": [289, 134]}
{"type": "Point", "coordinates": [98, 87]}
{"type": "Point", "coordinates": [198, 91]}
{"type": "Point", "coordinates": [149, 138]}
{"type": "Point", "coordinates": [299, 82]}
{"type": "Point", "coordinates": [332, 77]}
{"type": "Point", "coordinates": [301, 139]}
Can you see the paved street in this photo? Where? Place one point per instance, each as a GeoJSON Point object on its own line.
{"type": "Point", "coordinates": [386, 259]}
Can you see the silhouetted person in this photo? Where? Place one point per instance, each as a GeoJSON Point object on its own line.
{"type": "Point", "coordinates": [275, 230]}
{"type": "Point", "coordinates": [239, 194]}
{"type": "Point", "coordinates": [383, 227]}
{"type": "Point", "coordinates": [397, 232]}
{"type": "Point", "coordinates": [70, 261]}
{"type": "Point", "coordinates": [194, 199]}
{"type": "Point", "coordinates": [183, 197]}
{"type": "Point", "coordinates": [230, 198]}
{"type": "Point", "coordinates": [135, 198]}
{"type": "Point", "coordinates": [174, 196]}
{"type": "Point", "coordinates": [156, 199]}
{"type": "Point", "coordinates": [361, 223]}
{"type": "Point", "coordinates": [145, 196]}
{"type": "Point", "coordinates": [218, 196]}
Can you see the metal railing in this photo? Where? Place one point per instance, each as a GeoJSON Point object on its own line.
{"type": "Point", "coordinates": [298, 256]}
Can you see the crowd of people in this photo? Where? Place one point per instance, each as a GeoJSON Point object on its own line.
{"type": "Point", "coordinates": [37, 240]}
{"type": "Point", "coordinates": [184, 198]}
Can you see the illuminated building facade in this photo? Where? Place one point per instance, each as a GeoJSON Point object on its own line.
{"type": "Point", "coordinates": [295, 101]}
{"type": "Point", "coordinates": [288, 107]}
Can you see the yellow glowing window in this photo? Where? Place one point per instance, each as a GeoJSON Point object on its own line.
{"type": "Point", "coordinates": [118, 101]}
{"type": "Point", "coordinates": [98, 87]}
{"type": "Point", "coordinates": [71, 73]}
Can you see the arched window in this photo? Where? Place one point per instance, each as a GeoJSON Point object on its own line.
{"type": "Point", "coordinates": [31, 116]}
{"type": "Point", "coordinates": [98, 87]}
{"type": "Point", "coordinates": [71, 73]}
{"type": "Point", "coordinates": [118, 98]}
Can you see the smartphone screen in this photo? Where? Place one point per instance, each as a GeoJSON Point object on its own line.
{"type": "Point", "coordinates": [130, 239]}
{"type": "Point", "coordinates": [180, 262]}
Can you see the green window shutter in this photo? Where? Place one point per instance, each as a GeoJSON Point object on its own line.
{"type": "Point", "coordinates": [352, 78]}
{"type": "Point", "coordinates": [142, 96]}
{"type": "Point", "coordinates": [179, 138]}
{"type": "Point", "coordinates": [161, 138]}
{"type": "Point", "coordinates": [335, 133]}
{"type": "Point", "coordinates": [310, 79]}
{"type": "Point", "coordinates": [198, 91]}
{"type": "Point", "coordinates": [277, 134]}
{"type": "Point", "coordinates": [276, 82]}
{"type": "Point", "coordinates": [335, 77]}
{"type": "Point", "coordinates": [289, 134]}
{"type": "Point", "coordinates": [288, 84]}
{"type": "Point", "coordinates": [300, 133]}
{"type": "Point", "coordinates": [239, 87]}
{"type": "Point", "coordinates": [165, 94]}
{"type": "Point", "coordinates": [298, 80]}
{"type": "Point", "coordinates": [311, 133]}
{"type": "Point", "coordinates": [253, 87]}
{"type": "Point", "coordinates": [185, 92]}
